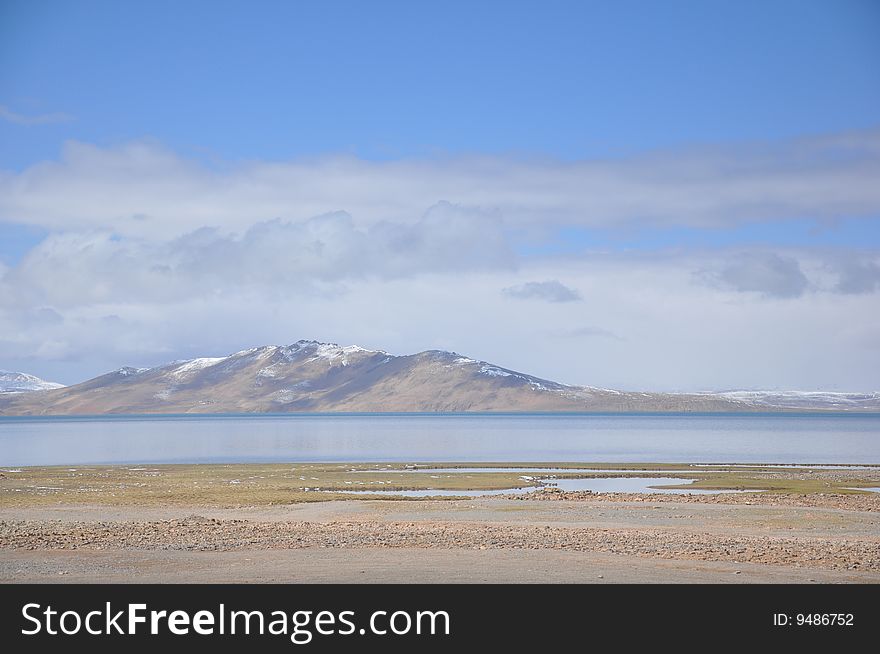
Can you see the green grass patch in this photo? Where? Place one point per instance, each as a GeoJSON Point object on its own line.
{"type": "Point", "coordinates": [233, 485]}
{"type": "Point", "coordinates": [739, 481]}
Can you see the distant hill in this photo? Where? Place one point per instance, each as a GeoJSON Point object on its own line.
{"type": "Point", "coordinates": [310, 376]}
{"type": "Point", "coordinates": [20, 382]}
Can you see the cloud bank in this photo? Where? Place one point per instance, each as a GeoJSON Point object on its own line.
{"type": "Point", "coordinates": [152, 256]}
{"type": "Point", "coordinates": [143, 189]}
{"type": "Point", "coordinates": [767, 273]}
{"type": "Point", "coordinates": [550, 291]}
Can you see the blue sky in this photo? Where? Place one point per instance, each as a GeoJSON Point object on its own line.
{"type": "Point", "coordinates": [577, 80]}
{"type": "Point", "coordinates": [722, 153]}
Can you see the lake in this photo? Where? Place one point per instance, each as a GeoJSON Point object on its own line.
{"type": "Point", "coordinates": [605, 485]}
{"type": "Point", "coordinates": [686, 438]}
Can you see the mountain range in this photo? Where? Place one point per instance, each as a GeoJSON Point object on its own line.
{"type": "Point", "coordinates": [309, 376]}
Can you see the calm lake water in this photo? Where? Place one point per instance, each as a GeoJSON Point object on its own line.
{"type": "Point", "coordinates": [420, 437]}
{"type": "Point", "coordinates": [605, 485]}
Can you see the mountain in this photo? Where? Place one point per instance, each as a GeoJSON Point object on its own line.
{"type": "Point", "coordinates": [309, 376]}
{"type": "Point", "coordinates": [806, 400]}
{"type": "Point", "coordinates": [19, 382]}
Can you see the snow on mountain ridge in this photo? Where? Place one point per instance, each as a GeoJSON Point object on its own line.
{"type": "Point", "coordinates": [798, 399]}
{"type": "Point", "coordinates": [309, 376]}
{"type": "Point", "coordinates": [492, 371]}
{"type": "Point", "coordinates": [268, 362]}
{"type": "Point", "coordinates": [194, 365]}
{"type": "Point", "coordinates": [21, 382]}
{"type": "Point", "coordinates": [126, 371]}
{"type": "Point", "coordinates": [183, 368]}
{"type": "Point", "coordinates": [816, 394]}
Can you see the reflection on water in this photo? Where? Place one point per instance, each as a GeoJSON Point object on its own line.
{"type": "Point", "coordinates": [853, 439]}
{"type": "Point", "coordinates": [603, 485]}
{"type": "Point", "coordinates": [435, 493]}
{"type": "Point", "coordinates": [627, 485]}
{"type": "Point", "coordinates": [805, 466]}
{"type": "Point", "coordinates": [542, 470]}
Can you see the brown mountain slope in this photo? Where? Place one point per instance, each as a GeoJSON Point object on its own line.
{"type": "Point", "coordinates": [312, 377]}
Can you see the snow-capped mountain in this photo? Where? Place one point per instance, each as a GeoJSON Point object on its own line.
{"type": "Point", "coordinates": [829, 400]}
{"type": "Point", "coordinates": [310, 376]}
{"type": "Point", "coordinates": [20, 382]}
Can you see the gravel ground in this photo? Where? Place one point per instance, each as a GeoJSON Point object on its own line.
{"type": "Point", "coordinates": [788, 537]}
{"type": "Point", "coordinates": [208, 534]}
{"type": "Point", "coordinates": [854, 502]}
{"type": "Point", "coordinates": [399, 565]}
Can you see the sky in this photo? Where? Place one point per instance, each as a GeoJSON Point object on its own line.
{"type": "Point", "coordinates": [676, 196]}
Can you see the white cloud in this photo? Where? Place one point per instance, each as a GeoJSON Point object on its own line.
{"type": "Point", "coordinates": [766, 273]}
{"type": "Point", "coordinates": [152, 257]}
{"type": "Point", "coordinates": [672, 333]}
{"type": "Point", "coordinates": [856, 274]}
{"type": "Point", "coordinates": [587, 331]}
{"type": "Point", "coordinates": [38, 119]}
{"type": "Point", "coordinates": [273, 257]}
{"type": "Point", "coordinates": [549, 291]}
{"type": "Point", "coordinates": [143, 189]}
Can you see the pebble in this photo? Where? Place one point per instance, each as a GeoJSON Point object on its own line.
{"type": "Point", "coordinates": [197, 533]}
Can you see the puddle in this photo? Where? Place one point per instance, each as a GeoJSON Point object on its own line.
{"type": "Point", "coordinates": [602, 485]}
{"type": "Point", "coordinates": [630, 485]}
{"type": "Point", "coordinates": [696, 467]}
{"type": "Point", "coordinates": [437, 493]}
{"type": "Point", "coordinates": [872, 489]}
{"type": "Point", "coordinates": [799, 466]}
{"type": "Point", "coordinates": [543, 470]}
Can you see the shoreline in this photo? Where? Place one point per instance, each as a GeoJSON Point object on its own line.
{"type": "Point", "coordinates": [756, 412]}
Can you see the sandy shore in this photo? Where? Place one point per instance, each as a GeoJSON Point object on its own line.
{"type": "Point", "coordinates": [570, 537]}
